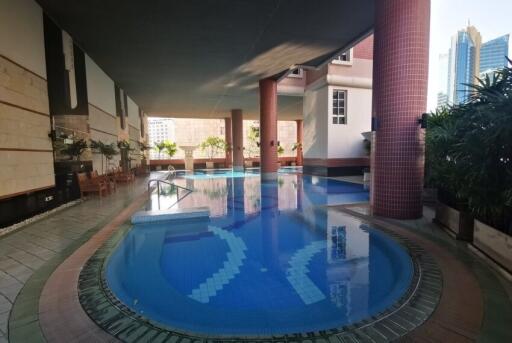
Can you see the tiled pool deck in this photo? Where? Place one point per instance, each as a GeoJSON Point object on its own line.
{"type": "Point", "coordinates": [33, 252]}
{"type": "Point", "coordinates": [476, 303]}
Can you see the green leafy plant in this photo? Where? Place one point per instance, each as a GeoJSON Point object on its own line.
{"type": "Point", "coordinates": [170, 148]}
{"type": "Point", "coordinates": [280, 150]}
{"type": "Point", "coordinates": [253, 137]}
{"type": "Point", "coordinates": [124, 145]}
{"type": "Point", "coordinates": [75, 149]}
{"type": "Point", "coordinates": [296, 146]}
{"type": "Point", "coordinates": [213, 145]}
{"type": "Point", "coordinates": [107, 151]}
{"type": "Point", "coordinates": [469, 151]}
{"type": "Point", "coordinates": [159, 147]}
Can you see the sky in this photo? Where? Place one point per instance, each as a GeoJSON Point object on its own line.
{"type": "Point", "coordinates": [491, 17]}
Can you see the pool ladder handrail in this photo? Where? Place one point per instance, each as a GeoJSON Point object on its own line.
{"type": "Point", "coordinates": [159, 181]}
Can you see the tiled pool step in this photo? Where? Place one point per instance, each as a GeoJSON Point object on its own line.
{"type": "Point", "coordinates": [143, 217]}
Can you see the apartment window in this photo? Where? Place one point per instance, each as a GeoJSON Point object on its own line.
{"type": "Point", "coordinates": [339, 106]}
{"type": "Point", "coordinates": [296, 73]}
{"type": "Point", "coordinates": [344, 58]}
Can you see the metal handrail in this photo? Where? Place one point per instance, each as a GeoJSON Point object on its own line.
{"type": "Point", "coordinates": [158, 181]}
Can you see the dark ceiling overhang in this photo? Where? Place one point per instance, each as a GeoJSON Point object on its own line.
{"type": "Point", "coordinates": [200, 58]}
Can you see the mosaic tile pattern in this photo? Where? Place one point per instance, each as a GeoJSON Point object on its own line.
{"type": "Point", "coordinates": [297, 273]}
{"type": "Point", "coordinates": [413, 309]}
{"type": "Point", "coordinates": [229, 270]}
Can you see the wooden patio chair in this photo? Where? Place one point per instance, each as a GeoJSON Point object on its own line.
{"type": "Point", "coordinates": [88, 186]}
{"type": "Point", "coordinates": [121, 176]}
{"type": "Point", "coordinates": [108, 179]}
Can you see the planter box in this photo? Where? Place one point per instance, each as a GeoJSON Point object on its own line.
{"type": "Point", "coordinates": [210, 165]}
{"type": "Point", "coordinates": [248, 164]}
{"type": "Point", "coordinates": [458, 222]}
{"type": "Point", "coordinates": [494, 243]}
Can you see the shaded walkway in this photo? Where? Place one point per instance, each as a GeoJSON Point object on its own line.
{"type": "Point", "coordinates": [38, 248]}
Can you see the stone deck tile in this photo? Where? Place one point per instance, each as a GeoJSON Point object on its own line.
{"type": "Point", "coordinates": [29, 249]}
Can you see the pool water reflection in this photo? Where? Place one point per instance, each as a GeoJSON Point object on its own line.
{"type": "Point", "coordinates": [269, 261]}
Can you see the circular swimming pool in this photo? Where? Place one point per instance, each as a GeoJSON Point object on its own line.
{"type": "Point", "coordinates": [267, 273]}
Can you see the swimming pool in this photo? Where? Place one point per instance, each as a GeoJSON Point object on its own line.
{"type": "Point", "coordinates": [270, 260]}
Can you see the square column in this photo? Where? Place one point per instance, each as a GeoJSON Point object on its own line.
{"type": "Point", "coordinates": [268, 129]}
{"type": "Point", "coordinates": [400, 80]}
{"type": "Point", "coordinates": [229, 142]}
{"type": "Point", "coordinates": [238, 139]}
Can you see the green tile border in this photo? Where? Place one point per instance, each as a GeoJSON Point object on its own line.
{"type": "Point", "coordinates": [23, 324]}
{"type": "Point", "coordinates": [412, 310]}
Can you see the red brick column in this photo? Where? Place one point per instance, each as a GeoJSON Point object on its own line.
{"type": "Point", "coordinates": [400, 73]}
{"type": "Point", "coordinates": [229, 141]}
{"type": "Point", "coordinates": [238, 139]}
{"type": "Point", "coordinates": [268, 129]}
{"type": "Point", "coordinates": [300, 135]}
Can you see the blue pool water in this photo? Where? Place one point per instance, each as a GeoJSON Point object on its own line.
{"type": "Point", "coordinates": [269, 261]}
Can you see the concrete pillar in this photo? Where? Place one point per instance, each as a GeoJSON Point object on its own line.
{"type": "Point", "coordinates": [238, 139]}
{"type": "Point", "coordinates": [300, 135]}
{"type": "Point", "coordinates": [268, 129]}
{"type": "Point", "coordinates": [229, 141]}
{"type": "Point", "coordinates": [400, 73]}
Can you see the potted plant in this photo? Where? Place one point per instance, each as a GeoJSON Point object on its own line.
{"type": "Point", "coordinates": [280, 152]}
{"type": "Point", "coordinates": [159, 147]}
{"type": "Point", "coordinates": [212, 146]}
{"type": "Point", "coordinates": [125, 149]}
{"type": "Point", "coordinates": [298, 148]}
{"type": "Point", "coordinates": [253, 138]}
{"type": "Point", "coordinates": [170, 148]}
{"type": "Point", "coordinates": [143, 148]}
{"type": "Point", "coordinates": [107, 152]}
{"type": "Point", "coordinates": [469, 160]}
{"type": "Point", "coordinates": [75, 149]}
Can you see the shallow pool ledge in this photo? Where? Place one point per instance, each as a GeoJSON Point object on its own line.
{"type": "Point", "coordinates": [170, 215]}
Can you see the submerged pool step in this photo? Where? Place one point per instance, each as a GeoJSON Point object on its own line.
{"type": "Point", "coordinates": [170, 215]}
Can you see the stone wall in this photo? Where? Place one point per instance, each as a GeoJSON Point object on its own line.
{"type": "Point", "coordinates": [25, 148]}
{"type": "Point", "coordinates": [103, 127]}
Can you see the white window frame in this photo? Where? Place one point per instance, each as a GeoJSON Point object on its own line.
{"type": "Point", "coordinates": [349, 62]}
{"type": "Point", "coordinates": [337, 115]}
{"type": "Point", "coordinates": [300, 75]}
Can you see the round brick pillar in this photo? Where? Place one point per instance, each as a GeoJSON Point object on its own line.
{"type": "Point", "coordinates": [268, 129]}
{"type": "Point", "coordinates": [229, 142]}
{"type": "Point", "coordinates": [400, 73]}
{"type": "Point", "coordinates": [238, 139]}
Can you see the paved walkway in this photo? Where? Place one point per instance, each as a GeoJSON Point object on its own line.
{"type": "Point", "coordinates": [28, 249]}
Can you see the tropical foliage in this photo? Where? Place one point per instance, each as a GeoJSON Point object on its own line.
{"type": "Point", "coordinates": [170, 148]}
{"type": "Point", "coordinates": [107, 151]}
{"type": "Point", "coordinates": [469, 151]}
{"type": "Point", "coordinates": [280, 150]}
{"type": "Point", "coordinates": [253, 136]}
{"type": "Point", "coordinates": [75, 149]}
{"type": "Point", "coordinates": [213, 145]}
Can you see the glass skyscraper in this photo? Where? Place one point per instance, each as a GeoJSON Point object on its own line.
{"type": "Point", "coordinates": [493, 54]}
{"type": "Point", "coordinates": [464, 61]}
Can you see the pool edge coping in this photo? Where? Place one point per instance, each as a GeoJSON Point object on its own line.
{"type": "Point", "coordinates": [425, 269]}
